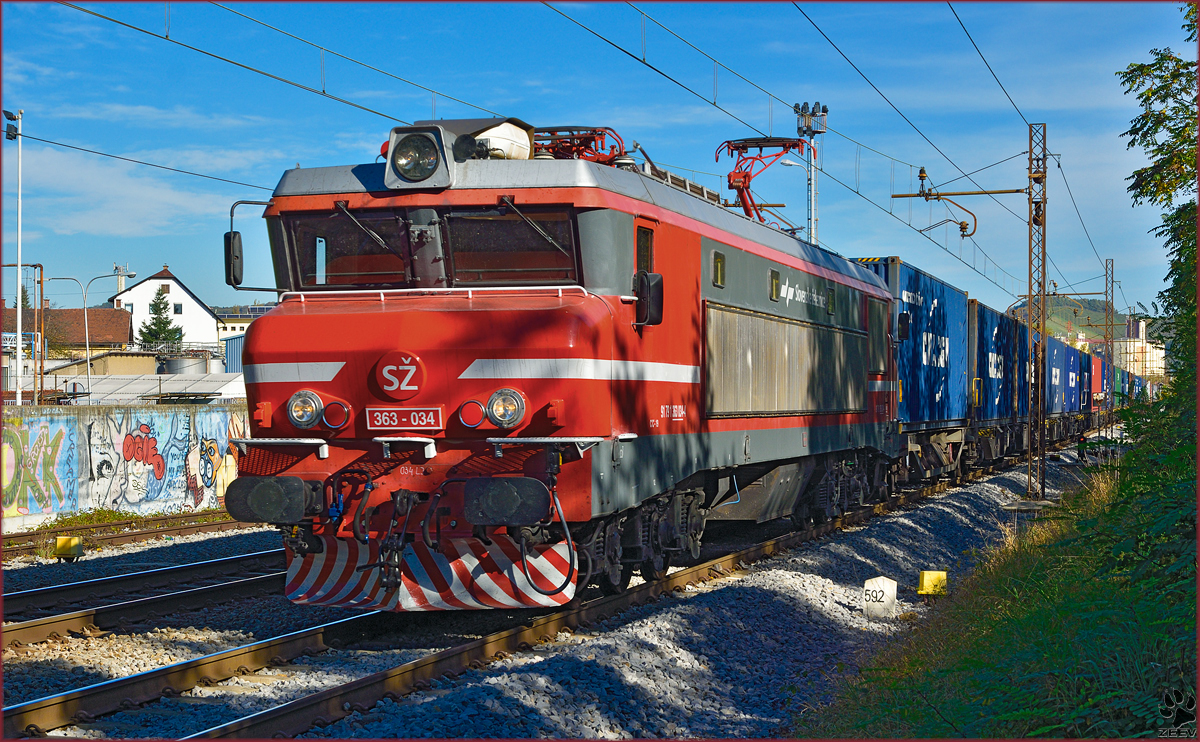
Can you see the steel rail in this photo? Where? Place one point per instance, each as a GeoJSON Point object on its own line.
{"type": "Point", "coordinates": [127, 537]}
{"type": "Point", "coordinates": [64, 530]}
{"type": "Point", "coordinates": [33, 718]}
{"type": "Point", "coordinates": [118, 615]}
{"type": "Point", "coordinates": [331, 704]}
{"type": "Point", "coordinates": [43, 597]}
{"type": "Point", "coordinates": [36, 717]}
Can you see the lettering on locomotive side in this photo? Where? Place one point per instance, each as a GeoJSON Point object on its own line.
{"type": "Point", "coordinates": [673, 411]}
{"type": "Point", "coordinates": [935, 350]}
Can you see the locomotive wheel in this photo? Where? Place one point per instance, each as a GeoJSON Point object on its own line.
{"type": "Point", "coordinates": [614, 577]}
{"type": "Point", "coordinates": [609, 587]}
{"type": "Point", "coordinates": [656, 568]}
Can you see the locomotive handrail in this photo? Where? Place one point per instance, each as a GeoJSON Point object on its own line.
{"type": "Point", "coordinates": [322, 444]}
{"type": "Point", "coordinates": [469, 292]}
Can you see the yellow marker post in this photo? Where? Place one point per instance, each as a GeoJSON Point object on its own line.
{"type": "Point", "coordinates": [932, 583]}
{"type": "Point", "coordinates": [68, 548]}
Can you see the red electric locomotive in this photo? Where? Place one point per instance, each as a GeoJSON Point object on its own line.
{"type": "Point", "coordinates": [508, 361]}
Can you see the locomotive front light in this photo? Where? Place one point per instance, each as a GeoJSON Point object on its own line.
{"type": "Point", "coordinates": [415, 157]}
{"type": "Point", "coordinates": [305, 409]}
{"type": "Point", "coordinates": [506, 408]}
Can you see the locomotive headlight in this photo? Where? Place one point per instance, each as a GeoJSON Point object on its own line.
{"type": "Point", "coordinates": [415, 157]}
{"type": "Point", "coordinates": [305, 409]}
{"type": "Point", "coordinates": [506, 408]}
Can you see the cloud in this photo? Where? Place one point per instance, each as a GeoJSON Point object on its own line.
{"type": "Point", "coordinates": [213, 160]}
{"type": "Point", "coordinates": [180, 117]}
{"type": "Point", "coordinates": [18, 70]}
{"type": "Point", "coordinates": [69, 193]}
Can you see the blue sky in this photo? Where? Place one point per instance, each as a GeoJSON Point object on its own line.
{"type": "Point", "coordinates": [88, 82]}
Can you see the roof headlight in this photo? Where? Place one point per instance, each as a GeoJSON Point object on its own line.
{"type": "Point", "coordinates": [305, 409]}
{"type": "Point", "coordinates": [506, 408]}
{"type": "Point", "coordinates": [415, 157]}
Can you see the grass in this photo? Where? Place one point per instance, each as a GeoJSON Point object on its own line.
{"type": "Point", "coordinates": [1039, 641]}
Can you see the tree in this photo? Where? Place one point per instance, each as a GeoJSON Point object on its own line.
{"type": "Point", "coordinates": [1166, 131]}
{"type": "Point", "coordinates": [158, 329]}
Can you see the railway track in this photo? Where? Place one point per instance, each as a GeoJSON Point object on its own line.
{"type": "Point", "coordinates": [30, 542]}
{"type": "Point", "coordinates": [47, 615]}
{"type": "Point", "coordinates": [84, 705]}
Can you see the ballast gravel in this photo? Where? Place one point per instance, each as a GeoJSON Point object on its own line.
{"type": "Point", "coordinates": [739, 657]}
{"type": "Point", "coordinates": [31, 572]}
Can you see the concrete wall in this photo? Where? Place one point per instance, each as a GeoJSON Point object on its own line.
{"type": "Point", "coordinates": [144, 459]}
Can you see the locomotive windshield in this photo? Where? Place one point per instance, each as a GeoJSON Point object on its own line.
{"type": "Point", "coordinates": [493, 246]}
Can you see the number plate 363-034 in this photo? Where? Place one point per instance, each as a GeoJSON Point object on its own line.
{"type": "Point", "coordinates": [404, 418]}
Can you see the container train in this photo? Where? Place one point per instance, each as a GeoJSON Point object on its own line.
{"type": "Point", "coordinates": [507, 362]}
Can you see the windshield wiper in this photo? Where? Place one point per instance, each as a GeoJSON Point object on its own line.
{"type": "Point", "coordinates": [370, 233]}
{"type": "Point", "coordinates": [507, 201]}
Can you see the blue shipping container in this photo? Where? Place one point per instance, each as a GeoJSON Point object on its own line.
{"type": "Point", "coordinates": [1055, 377]}
{"type": "Point", "coordinates": [992, 337]}
{"type": "Point", "coordinates": [1071, 401]}
{"type": "Point", "coordinates": [932, 362]}
{"type": "Point", "coordinates": [1085, 381]}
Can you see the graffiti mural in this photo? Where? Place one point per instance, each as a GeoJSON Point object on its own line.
{"type": "Point", "coordinates": [143, 459]}
{"type": "Point", "coordinates": [39, 467]}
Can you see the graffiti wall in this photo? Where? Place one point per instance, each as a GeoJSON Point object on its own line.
{"type": "Point", "coordinates": [149, 459]}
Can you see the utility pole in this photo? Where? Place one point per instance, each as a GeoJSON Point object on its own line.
{"type": "Point", "coordinates": [1036, 314]}
{"type": "Point", "coordinates": [14, 132]}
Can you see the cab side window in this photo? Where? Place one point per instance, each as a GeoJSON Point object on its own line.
{"type": "Point", "coordinates": [645, 249]}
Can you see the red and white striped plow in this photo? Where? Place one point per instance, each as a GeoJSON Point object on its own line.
{"type": "Point", "coordinates": [464, 574]}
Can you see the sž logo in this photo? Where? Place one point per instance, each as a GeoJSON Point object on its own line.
{"type": "Point", "coordinates": [400, 375]}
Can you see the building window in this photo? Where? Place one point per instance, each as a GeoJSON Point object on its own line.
{"type": "Point", "coordinates": [129, 307]}
{"type": "Point", "coordinates": [718, 269]}
{"type": "Point", "coordinates": [178, 309]}
{"type": "Point", "coordinates": [166, 288]}
{"type": "Point", "coordinates": [117, 305]}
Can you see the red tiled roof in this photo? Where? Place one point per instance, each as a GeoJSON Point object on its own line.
{"type": "Point", "coordinates": [164, 273]}
{"type": "Point", "coordinates": [105, 326]}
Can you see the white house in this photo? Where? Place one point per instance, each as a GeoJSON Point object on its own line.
{"type": "Point", "coordinates": [199, 323]}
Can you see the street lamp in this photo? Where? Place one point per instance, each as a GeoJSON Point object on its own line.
{"type": "Point", "coordinates": [14, 132]}
{"type": "Point", "coordinates": [87, 343]}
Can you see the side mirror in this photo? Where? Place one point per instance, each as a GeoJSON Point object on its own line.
{"type": "Point", "coordinates": [233, 258]}
{"type": "Point", "coordinates": [902, 326]}
{"type": "Point", "coordinates": [648, 287]}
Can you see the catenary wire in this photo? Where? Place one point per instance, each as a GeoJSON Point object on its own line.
{"type": "Point", "coordinates": [247, 67]}
{"type": "Point", "coordinates": [1063, 173]}
{"type": "Point", "coordinates": [758, 87]}
{"type": "Point", "coordinates": [355, 61]}
{"type": "Point", "coordinates": [712, 103]}
{"type": "Point", "coordinates": [147, 164]}
{"type": "Point", "coordinates": [985, 62]}
{"type": "Point", "coordinates": [634, 57]}
{"type": "Point", "coordinates": [1057, 158]}
{"type": "Point", "coordinates": [898, 111]}
{"type": "Point", "coordinates": [985, 167]}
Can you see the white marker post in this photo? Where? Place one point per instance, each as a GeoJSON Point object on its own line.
{"type": "Point", "coordinates": [879, 598]}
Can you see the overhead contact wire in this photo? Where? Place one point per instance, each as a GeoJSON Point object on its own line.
{"type": "Point", "coordinates": [147, 164]}
{"type": "Point", "coordinates": [901, 113]}
{"type": "Point", "coordinates": [355, 61]}
{"type": "Point", "coordinates": [235, 63]}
